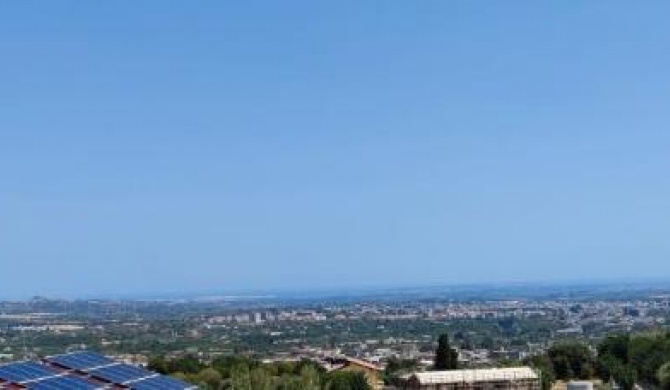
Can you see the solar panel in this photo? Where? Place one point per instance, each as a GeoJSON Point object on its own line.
{"type": "Point", "coordinates": [121, 373]}
{"type": "Point", "coordinates": [80, 360]}
{"type": "Point", "coordinates": [97, 372]}
{"type": "Point", "coordinates": [63, 382]}
{"type": "Point", "coordinates": [25, 371]}
{"type": "Point", "coordinates": [160, 383]}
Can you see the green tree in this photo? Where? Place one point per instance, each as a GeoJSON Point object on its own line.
{"type": "Point", "coordinates": [543, 365]}
{"type": "Point", "coordinates": [446, 358]}
{"type": "Point", "coordinates": [187, 364]}
{"type": "Point", "coordinates": [625, 376]}
{"type": "Point", "coordinates": [158, 364]}
{"type": "Point", "coordinates": [396, 367]}
{"type": "Point", "coordinates": [572, 360]}
{"type": "Point", "coordinates": [310, 377]}
{"type": "Point", "coordinates": [261, 379]}
{"type": "Point", "coordinates": [240, 377]}
{"type": "Point", "coordinates": [342, 380]}
{"type": "Point", "coordinates": [181, 376]}
{"type": "Point", "coordinates": [614, 361]}
{"type": "Point", "coordinates": [224, 364]}
{"type": "Point", "coordinates": [615, 346]}
{"type": "Point", "coordinates": [210, 378]}
{"type": "Point", "coordinates": [663, 376]}
{"type": "Point", "coordinates": [289, 382]}
{"type": "Point", "coordinates": [647, 353]}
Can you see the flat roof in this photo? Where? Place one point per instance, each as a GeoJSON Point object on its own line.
{"type": "Point", "coordinates": [475, 375]}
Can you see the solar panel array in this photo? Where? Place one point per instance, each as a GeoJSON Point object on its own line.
{"type": "Point", "coordinates": [64, 382]}
{"type": "Point", "coordinates": [159, 382]}
{"type": "Point", "coordinates": [83, 371]}
{"type": "Point", "coordinates": [25, 371]}
{"type": "Point", "coordinates": [121, 373]}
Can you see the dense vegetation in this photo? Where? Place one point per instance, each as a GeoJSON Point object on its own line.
{"type": "Point", "coordinates": [625, 359]}
{"type": "Point", "coordinates": [239, 373]}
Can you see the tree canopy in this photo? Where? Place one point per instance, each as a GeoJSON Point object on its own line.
{"type": "Point", "coordinates": [624, 358]}
{"type": "Point", "coordinates": [241, 373]}
{"type": "Point", "coordinates": [446, 358]}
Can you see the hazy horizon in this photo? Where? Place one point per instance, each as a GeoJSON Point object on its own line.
{"type": "Point", "coordinates": [442, 291]}
{"type": "Point", "coordinates": [219, 146]}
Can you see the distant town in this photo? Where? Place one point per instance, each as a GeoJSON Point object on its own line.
{"type": "Point", "coordinates": [379, 329]}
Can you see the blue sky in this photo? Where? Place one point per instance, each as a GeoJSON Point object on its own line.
{"type": "Point", "coordinates": [151, 147]}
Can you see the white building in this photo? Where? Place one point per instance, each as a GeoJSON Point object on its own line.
{"type": "Point", "coordinates": [516, 378]}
